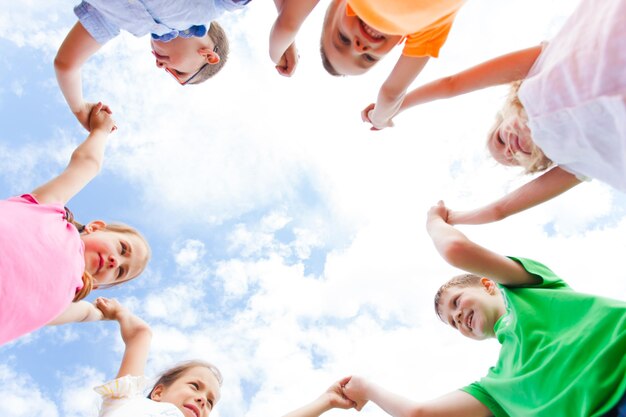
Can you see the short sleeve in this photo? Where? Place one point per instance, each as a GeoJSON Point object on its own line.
{"type": "Point", "coordinates": [429, 41]}
{"type": "Point", "coordinates": [478, 392]}
{"type": "Point", "coordinates": [101, 29]}
{"type": "Point", "coordinates": [127, 386]}
{"type": "Point", "coordinates": [548, 278]}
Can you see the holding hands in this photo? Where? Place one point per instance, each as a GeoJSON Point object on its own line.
{"type": "Point", "coordinates": [99, 118]}
{"type": "Point", "coordinates": [368, 116]}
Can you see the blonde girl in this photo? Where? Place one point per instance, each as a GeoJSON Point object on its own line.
{"type": "Point", "coordinates": [191, 389]}
{"type": "Point", "coordinates": [566, 109]}
{"type": "Point", "coordinates": [48, 262]}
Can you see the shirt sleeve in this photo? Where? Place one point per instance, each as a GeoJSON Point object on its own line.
{"type": "Point", "coordinates": [429, 41]}
{"type": "Point", "coordinates": [477, 391]}
{"type": "Point", "coordinates": [115, 392]}
{"type": "Point", "coordinates": [548, 278]}
{"type": "Point", "coordinates": [101, 29]}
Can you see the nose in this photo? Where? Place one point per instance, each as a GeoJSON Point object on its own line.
{"type": "Point", "coordinates": [113, 262]}
{"type": "Point", "coordinates": [457, 317]}
{"type": "Point", "coordinates": [159, 64]}
{"type": "Point", "coordinates": [359, 45]}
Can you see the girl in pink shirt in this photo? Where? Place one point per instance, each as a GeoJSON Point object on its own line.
{"type": "Point", "coordinates": [48, 262]}
{"type": "Point", "coordinates": [566, 110]}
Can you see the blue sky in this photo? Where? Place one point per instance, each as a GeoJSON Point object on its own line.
{"type": "Point", "coordinates": [288, 240]}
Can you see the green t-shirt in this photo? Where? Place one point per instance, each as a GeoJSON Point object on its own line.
{"type": "Point", "coordinates": [563, 353]}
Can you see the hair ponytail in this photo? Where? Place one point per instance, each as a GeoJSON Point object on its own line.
{"type": "Point", "coordinates": [69, 217]}
{"type": "Point", "coordinates": [87, 287]}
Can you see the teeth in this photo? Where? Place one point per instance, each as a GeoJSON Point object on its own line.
{"type": "Point", "coordinates": [374, 34]}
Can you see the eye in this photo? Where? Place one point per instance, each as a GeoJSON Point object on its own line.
{"type": "Point", "coordinates": [195, 385]}
{"type": "Point", "coordinates": [369, 58]}
{"type": "Point", "coordinates": [210, 403]}
{"type": "Point", "coordinates": [120, 272]}
{"type": "Point", "coordinates": [179, 72]}
{"type": "Point", "coordinates": [456, 301]}
{"type": "Point", "coordinates": [124, 248]}
{"type": "Point", "coordinates": [499, 138]}
{"type": "Point", "coordinates": [344, 39]}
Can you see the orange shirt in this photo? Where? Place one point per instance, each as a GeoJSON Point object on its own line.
{"type": "Point", "coordinates": [425, 24]}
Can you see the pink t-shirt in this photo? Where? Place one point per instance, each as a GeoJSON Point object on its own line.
{"type": "Point", "coordinates": [41, 264]}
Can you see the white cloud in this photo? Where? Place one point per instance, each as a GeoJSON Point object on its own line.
{"type": "Point", "coordinates": [21, 396]}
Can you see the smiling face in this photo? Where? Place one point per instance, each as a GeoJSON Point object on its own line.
{"type": "Point", "coordinates": [472, 310]}
{"type": "Point", "coordinates": [194, 393]}
{"type": "Point", "coordinates": [350, 45]}
{"type": "Point", "coordinates": [184, 57]}
{"type": "Point", "coordinates": [510, 142]}
{"type": "Point", "coordinates": [112, 257]}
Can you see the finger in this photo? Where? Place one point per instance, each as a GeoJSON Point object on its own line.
{"type": "Point", "coordinates": [343, 381]}
{"type": "Point", "coordinates": [107, 109]}
{"type": "Point", "coordinates": [97, 108]}
{"type": "Point", "coordinates": [440, 203]}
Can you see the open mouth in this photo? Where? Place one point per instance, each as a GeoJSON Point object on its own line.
{"type": "Point", "coordinates": [468, 321]}
{"type": "Point", "coordinates": [193, 409]}
{"type": "Point", "coordinates": [370, 33]}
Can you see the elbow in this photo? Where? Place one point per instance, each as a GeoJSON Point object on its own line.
{"type": "Point", "coordinates": [90, 162]}
{"type": "Point", "coordinates": [455, 251]}
{"type": "Point", "coordinates": [61, 64]}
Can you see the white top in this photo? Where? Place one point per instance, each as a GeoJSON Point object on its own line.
{"type": "Point", "coordinates": [575, 93]}
{"type": "Point", "coordinates": [126, 397]}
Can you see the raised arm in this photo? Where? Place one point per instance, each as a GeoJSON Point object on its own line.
{"type": "Point", "coordinates": [460, 252]}
{"type": "Point", "coordinates": [392, 92]}
{"type": "Point", "coordinates": [291, 15]}
{"type": "Point", "coordinates": [333, 397]}
{"type": "Point", "coordinates": [501, 70]}
{"type": "Point", "coordinates": [84, 164]}
{"type": "Point", "coordinates": [454, 404]}
{"type": "Point", "coordinates": [77, 47]}
{"type": "Point", "coordinates": [541, 189]}
{"type": "Point", "coordinates": [136, 335]}
{"type": "Point", "coordinates": [80, 311]}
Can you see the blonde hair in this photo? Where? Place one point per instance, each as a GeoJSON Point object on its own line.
{"type": "Point", "coordinates": [462, 281]}
{"type": "Point", "coordinates": [87, 278]}
{"type": "Point", "coordinates": [222, 48]}
{"type": "Point", "coordinates": [170, 376]}
{"type": "Point", "coordinates": [537, 161]}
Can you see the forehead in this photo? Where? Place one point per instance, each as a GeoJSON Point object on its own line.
{"type": "Point", "coordinates": [204, 375]}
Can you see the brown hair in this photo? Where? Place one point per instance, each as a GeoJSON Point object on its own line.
{"type": "Point", "coordinates": [222, 48]}
{"type": "Point", "coordinates": [463, 281]}
{"type": "Point", "coordinates": [537, 161]}
{"type": "Point", "coordinates": [88, 280]}
{"type": "Point", "coordinates": [168, 377]}
{"type": "Point", "coordinates": [328, 66]}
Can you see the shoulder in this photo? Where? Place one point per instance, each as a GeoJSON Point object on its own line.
{"type": "Point", "coordinates": [547, 278]}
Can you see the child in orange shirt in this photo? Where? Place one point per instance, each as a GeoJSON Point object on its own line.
{"type": "Point", "coordinates": [358, 33]}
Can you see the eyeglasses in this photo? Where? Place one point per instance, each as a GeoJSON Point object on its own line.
{"type": "Point", "coordinates": [188, 80]}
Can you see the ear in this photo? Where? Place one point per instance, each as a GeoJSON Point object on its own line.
{"type": "Point", "coordinates": [95, 226]}
{"type": "Point", "coordinates": [209, 55]}
{"type": "Point", "coordinates": [489, 285]}
{"type": "Point", "coordinates": [157, 393]}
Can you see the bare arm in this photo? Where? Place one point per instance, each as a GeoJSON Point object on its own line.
{"type": "Point", "coordinates": [136, 335]}
{"type": "Point", "coordinates": [77, 47]}
{"type": "Point", "coordinates": [460, 252]}
{"type": "Point", "coordinates": [501, 70]}
{"type": "Point", "coordinates": [541, 189]}
{"type": "Point", "coordinates": [80, 311]}
{"type": "Point", "coordinates": [84, 164]}
{"type": "Point", "coordinates": [333, 397]}
{"type": "Point", "coordinates": [454, 404]}
{"type": "Point", "coordinates": [392, 92]}
{"type": "Point", "coordinates": [291, 15]}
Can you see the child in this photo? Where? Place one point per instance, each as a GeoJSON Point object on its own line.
{"type": "Point", "coordinates": [191, 389]}
{"type": "Point", "coordinates": [48, 262]}
{"type": "Point", "coordinates": [569, 109]}
{"type": "Point", "coordinates": [183, 44]}
{"type": "Point", "coordinates": [562, 351]}
{"type": "Point", "coordinates": [358, 33]}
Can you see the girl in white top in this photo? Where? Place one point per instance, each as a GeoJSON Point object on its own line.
{"type": "Point", "coordinates": [567, 108]}
{"type": "Point", "coordinates": [191, 389]}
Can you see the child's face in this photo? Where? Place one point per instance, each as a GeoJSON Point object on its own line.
{"type": "Point", "coordinates": [194, 393]}
{"type": "Point", "coordinates": [351, 46]}
{"type": "Point", "coordinates": [183, 57]}
{"type": "Point", "coordinates": [473, 311]}
{"type": "Point", "coordinates": [112, 257]}
{"type": "Point", "coordinates": [511, 142]}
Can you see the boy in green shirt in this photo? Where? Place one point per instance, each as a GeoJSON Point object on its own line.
{"type": "Point", "coordinates": [563, 352]}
